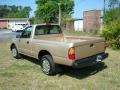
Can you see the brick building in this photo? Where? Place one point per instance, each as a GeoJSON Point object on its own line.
{"type": "Point", "coordinates": [70, 25]}
{"type": "Point", "coordinates": [92, 21]}
{"type": "Point", "coordinates": [75, 24]}
{"type": "Point", "coordinates": [3, 24]}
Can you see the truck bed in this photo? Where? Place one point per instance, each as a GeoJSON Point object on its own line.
{"type": "Point", "coordinates": [85, 46]}
{"type": "Point", "coordinates": [67, 39]}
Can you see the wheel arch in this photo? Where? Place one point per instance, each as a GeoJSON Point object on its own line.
{"type": "Point", "coordinates": [12, 46]}
{"type": "Point", "coordinates": [43, 52]}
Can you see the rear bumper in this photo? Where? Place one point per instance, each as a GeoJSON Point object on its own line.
{"type": "Point", "coordinates": [89, 61]}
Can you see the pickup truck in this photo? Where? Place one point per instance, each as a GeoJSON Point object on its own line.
{"type": "Point", "coordinates": [47, 43]}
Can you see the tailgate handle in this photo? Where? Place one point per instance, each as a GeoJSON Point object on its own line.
{"type": "Point", "coordinates": [91, 45]}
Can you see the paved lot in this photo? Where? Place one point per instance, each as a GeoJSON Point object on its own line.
{"type": "Point", "coordinates": [7, 34]}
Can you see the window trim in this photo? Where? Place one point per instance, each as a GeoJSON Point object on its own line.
{"type": "Point", "coordinates": [24, 31]}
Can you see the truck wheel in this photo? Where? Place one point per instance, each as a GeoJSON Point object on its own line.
{"type": "Point", "coordinates": [15, 52]}
{"type": "Point", "coordinates": [47, 64]}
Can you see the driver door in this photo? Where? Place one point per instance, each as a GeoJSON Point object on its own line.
{"type": "Point", "coordinates": [25, 41]}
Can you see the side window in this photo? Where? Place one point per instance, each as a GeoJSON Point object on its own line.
{"type": "Point", "coordinates": [47, 29]}
{"type": "Point", "coordinates": [41, 30]}
{"type": "Point", "coordinates": [27, 32]}
{"type": "Point", "coordinates": [54, 30]}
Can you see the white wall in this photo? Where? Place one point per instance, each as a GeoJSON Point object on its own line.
{"type": "Point", "coordinates": [11, 24]}
{"type": "Point", "coordinates": [78, 25]}
{"type": "Point", "coordinates": [101, 24]}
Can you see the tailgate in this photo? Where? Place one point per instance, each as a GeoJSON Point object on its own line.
{"type": "Point", "coordinates": [89, 48]}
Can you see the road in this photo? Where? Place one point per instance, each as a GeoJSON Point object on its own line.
{"type": "Point", "coordinates": [7, 35]}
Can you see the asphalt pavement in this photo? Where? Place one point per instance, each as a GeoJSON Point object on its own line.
{"type": "Point", "coordinates": [7, 35]}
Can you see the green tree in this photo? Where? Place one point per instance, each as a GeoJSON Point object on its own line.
{"type": "Point", "coordinates": [111, 30]}
{"type": "Point", "coordinates": [32, 20]}
{"type": "Point", "coordinates": [113, 3]}
{"type": "Point", "coordinates": [13, 11]}
{"type": "Point", "coordinates": [48, 10]}
{"type": "Point", "coordinates": [111, 15]}
{"type": "Point", "coordinates": [4, 9]}
{"type": "Point", "coordinates": [26, 11]}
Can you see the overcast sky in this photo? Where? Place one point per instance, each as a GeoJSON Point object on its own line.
{"type": "Point", "coordinates": [80, 5]}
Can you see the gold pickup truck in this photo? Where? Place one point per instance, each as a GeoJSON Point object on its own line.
{"type": "Point", "coordinates": [47, 43]}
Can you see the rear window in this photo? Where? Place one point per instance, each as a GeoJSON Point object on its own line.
{"type": "Point", "coordinates": [47, 29]}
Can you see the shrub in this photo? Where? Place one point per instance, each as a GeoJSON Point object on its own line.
{"type": "Point", "coordinates": [111, 32]}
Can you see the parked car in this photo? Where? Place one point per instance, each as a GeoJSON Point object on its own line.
{"type": "Point", "coordinates": [17, 28]}
{"type": "Point", "coordinates": [48, 44]}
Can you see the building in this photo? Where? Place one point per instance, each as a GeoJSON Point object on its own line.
{"type": "Point", "coordinates": [3, 23]}
{"type": "Point", "coordinates": [9, 23]}
{"type": "Point", "coordinates": [70, 25]}
{"type": "Point", "coordinates": [92, 21]}
{"type": "Point", "coordinates": [75, 24]}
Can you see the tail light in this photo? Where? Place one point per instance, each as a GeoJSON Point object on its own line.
{"type": "Point", "coordinates": [71, 53]}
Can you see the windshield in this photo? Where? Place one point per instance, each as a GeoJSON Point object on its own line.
{"type": "Point", "coordinates": [47, 29]}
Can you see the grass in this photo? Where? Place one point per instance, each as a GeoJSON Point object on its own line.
{"type": "Point", "coordinates": [26, 74]}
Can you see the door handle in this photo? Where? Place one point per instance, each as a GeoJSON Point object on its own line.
{"type": "Point", "coordinates": [27, 42]}
{"type": "Point", "coordinates": [91, 45]}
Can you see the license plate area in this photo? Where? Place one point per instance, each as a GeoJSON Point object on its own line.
{"type": "Point", "coordinates": [98, 58]}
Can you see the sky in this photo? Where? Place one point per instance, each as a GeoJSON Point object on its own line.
{"type": "Point", "coordinates": [80, 5]}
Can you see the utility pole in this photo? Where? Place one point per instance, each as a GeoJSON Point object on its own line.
{"type": "Point", "coordinates": [104, 6]}
{"type": "Point", "coordinates": [59, 4]}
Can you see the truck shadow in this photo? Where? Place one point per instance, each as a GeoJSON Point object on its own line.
{"type": "Point", "coordinates": [83, 72]}
{"type": "Point", "coordinates": [30, 59]}
{"type": "Point", "coordinates": [73, 72]}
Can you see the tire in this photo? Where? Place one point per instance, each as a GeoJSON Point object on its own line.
{"type": "Point", "coordinates": [15, 52]}
{"type": "Point", "coordinates": [48, 66]}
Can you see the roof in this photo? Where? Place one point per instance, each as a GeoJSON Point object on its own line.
{"type": "Point", "coordinates": [14, 18]}
{"type": "Point", "coordinates": [76, 19]}
{"type": "Point", "coordinates": [93, 10]}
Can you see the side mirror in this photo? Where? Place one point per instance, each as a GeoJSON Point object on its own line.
{"type": "Point", "coordinates": [18, 36]}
